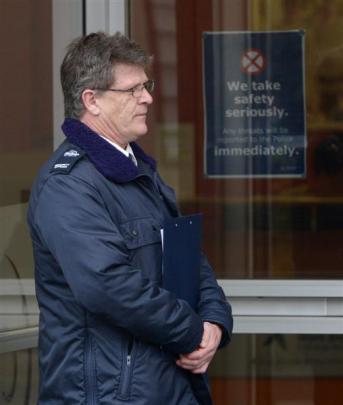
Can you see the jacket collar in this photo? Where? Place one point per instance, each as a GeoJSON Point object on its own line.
{"type": "Point", "coordinates": [110, 162]}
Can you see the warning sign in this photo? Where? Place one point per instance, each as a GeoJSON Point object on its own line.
{"type": "Point", "coordinates": [253, 62]}
{"type": "Point", "coordinates": [254, 104]}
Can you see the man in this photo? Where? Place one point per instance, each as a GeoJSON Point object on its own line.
{"type": "Point", "coordinates": [109, 332]}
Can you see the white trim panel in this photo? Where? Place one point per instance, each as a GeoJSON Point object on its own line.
{"type": "Point", "coordinates": [67, 25]}
{"type": "Point", "coordinates": [282, 288]}
{"type": "Point", "coordinates": [106, 15]}
{"type": "Point", "coordinates": [288, 325]}
{"type": "Point", "coordinates": [18, 340]}
{"type": "Point", "coordinates": [14, 286]}
{"type": "Point", "coordinates": [252, 306]}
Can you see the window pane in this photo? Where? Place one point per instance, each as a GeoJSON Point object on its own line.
{"type": "Point", "coordinates": [26, 95]}
{"type": "Point", "coordinates": [19, 377]}
{"type": "Point", "coordinates": [279, 370]}
{"type": "Point", "coordinates": [26, 141]}
{"type": "Point", "coordinates": [270, 227]}
{"type": "Point", "coordinates": [28, 49]}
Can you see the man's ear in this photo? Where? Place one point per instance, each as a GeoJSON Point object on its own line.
{"type": "Point", "coordinates": [90, 102]}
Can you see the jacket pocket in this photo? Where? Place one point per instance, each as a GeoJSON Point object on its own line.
{"type": "Point", "coordinates": [143, 240]}
{"type": "Point", "coordinates": [140, 232]}
{"type": "Point", "coordinates": [129, 350]}
{"type": "Point", "coordinates": [90, 371]}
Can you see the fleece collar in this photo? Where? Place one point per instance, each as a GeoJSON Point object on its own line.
{"type": "Point", "coordinates": [113, 164]}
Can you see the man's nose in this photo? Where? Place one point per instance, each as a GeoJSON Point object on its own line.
{"type": "Point", "coordinates": [146, 97]}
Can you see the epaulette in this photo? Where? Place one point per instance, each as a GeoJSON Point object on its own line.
{"type": "Point", "coordinates": [67, 160]}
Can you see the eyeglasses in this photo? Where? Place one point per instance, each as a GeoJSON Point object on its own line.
{"type": "Point", "coordinates": [137, 91]}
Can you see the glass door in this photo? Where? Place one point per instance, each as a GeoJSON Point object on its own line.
{"type": "Point", "coordinates": [273, 225]}
{"type": "Point", "coordinates": [34, 34]}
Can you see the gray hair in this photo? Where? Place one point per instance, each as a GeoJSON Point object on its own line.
{"type": "Point", "coordinates": [89, 64]}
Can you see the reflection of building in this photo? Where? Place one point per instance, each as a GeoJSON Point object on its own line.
{"type": "Point", "coordinates": [331, 83]}
{"type": "Point", "coordinates": [275, 243]}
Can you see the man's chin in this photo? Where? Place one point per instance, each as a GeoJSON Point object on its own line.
{"type": "Point", "coordinates": [141, 132]}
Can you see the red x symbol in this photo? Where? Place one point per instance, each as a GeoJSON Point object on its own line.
{"type": "Point", "coordinates": [253, 62]}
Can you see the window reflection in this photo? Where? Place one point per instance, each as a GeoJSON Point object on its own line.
{"type": "Point", "coordinates": [26, 95]}
{"type": "Point", "coordinates": [279, 370]}
{"type": "Point", "coordinates": [19, 377]}
{"type": "Point", "coordinates": [25, 142]}
{"type": "Point", "coordinates": [254, 228]}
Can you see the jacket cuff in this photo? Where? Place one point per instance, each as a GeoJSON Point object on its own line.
{"type": "Point", "coordinates": [190, 343]}
{"type": "Point", "coordinates": [195, 340]}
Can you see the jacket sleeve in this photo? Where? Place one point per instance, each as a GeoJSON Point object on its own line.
{"type": "Point", "coordinates": [213, 306]}
{"type": "Point", "coordinates": [72, 220]}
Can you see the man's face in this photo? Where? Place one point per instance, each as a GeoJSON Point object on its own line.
{"type": "Point", "coordinates": [122, 116]}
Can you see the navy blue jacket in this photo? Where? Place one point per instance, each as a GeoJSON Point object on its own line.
{"type": "Point", "coordinates": [109, 334]}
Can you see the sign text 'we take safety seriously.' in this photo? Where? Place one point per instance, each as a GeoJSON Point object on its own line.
{"type": "Point", "coordinates": [254, 104]}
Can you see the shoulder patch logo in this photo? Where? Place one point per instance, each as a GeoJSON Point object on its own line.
{"type": "Point", "coordinates": [71, 153]}
{"type": "Point", "coordinates": [67, 160]}
{"type": "Point", "coordinates": [61, 165]}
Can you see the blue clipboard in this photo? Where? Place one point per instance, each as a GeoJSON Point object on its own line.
{"type": "Point", "coordinates": [182, 238]}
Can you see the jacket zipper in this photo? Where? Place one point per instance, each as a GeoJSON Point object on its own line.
{"type": "Point", "coordinates": [127, 370]}
{"type": "Point", "coordinates": [90, 372]}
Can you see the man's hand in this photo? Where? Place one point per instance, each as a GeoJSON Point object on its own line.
{"type": "Point", "coordinates": [198, 361]}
